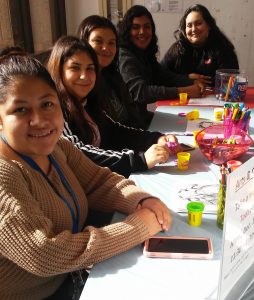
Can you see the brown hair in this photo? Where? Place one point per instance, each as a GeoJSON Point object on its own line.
{"type": "Point", "coordinates": [63, 49]}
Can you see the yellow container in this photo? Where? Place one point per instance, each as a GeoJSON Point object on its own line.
{"type": "Point", "coordinates": [183, 98]}
{"type": "Point", "coordinates": [193, 115]}
{"type": "Point", "coordinates": [218, 114]}
{"type": "Point", "coordinates": [195, 132]}
{"type": "Point", "coordinates": [195, 211]}
{"type": "Point", "coordinates": [183, 159]}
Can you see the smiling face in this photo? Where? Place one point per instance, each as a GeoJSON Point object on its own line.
{"type": "Point", "coordinates": [31, 117]}
{"type": "Point", "coordinates": [79, 75]}
{"type": "Point", "coordinates": [141, 32]}
{"type": "Point", "coordinates": [103, 41]}
{"type": "Point", "coordinates": [196, 30]}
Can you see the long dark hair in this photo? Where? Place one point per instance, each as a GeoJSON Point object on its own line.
{"type": "Point", "coordinates": [124, 28]}
{"type": "Point", "coordinates": [63, 49]}
{"type": "Point", "coordinates": [12, 66]}
{"type": "Point", "coordinates": [215, 37]}
{"type": "Point", "coordinates": [94, 22]}
{"type": "Point", "coordinates": [109, 74]}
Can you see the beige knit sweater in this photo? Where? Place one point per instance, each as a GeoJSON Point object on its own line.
{"type": "Point", "coordinates": [37, 247]}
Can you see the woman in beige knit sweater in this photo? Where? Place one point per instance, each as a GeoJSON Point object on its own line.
{"type": "Point", "coordinates": [47, 186]}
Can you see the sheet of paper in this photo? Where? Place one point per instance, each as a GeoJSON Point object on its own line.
{"type": "Point", "coordinates": [205, 192]}
{"type": "Point", "coordinates": [199, 124]}
{"type": "Point", "coordinates": [209, 100]}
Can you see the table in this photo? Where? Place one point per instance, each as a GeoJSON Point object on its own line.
{"type": "Point", "coordinates": [249, 100]}
{"type": "Point", "coordinates": [133, 276]}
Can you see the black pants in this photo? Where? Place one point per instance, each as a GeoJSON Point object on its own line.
{"type": "Point", "coordinates": [71, 288]}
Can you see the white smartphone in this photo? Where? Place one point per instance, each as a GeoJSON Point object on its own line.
{"type": "Point", "coordinates": [179, 247]}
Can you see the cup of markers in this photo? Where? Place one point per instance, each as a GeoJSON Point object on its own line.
{"type": "Point", "coordinates": [236, 117]}
{"type": "Point", "coordinates": [231, 85]}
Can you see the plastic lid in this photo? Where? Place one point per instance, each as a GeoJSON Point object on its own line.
{"type": "Point", "coordinates": [234, 163]}
{"type": "Point", "coordinates": [195, 206]}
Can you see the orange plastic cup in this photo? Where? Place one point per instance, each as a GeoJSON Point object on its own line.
{"type": "Point", "coordinates": [183, 98]}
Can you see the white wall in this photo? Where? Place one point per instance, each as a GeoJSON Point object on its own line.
{"type": "Point", "coordinates": [77, 10]}
{"type": "Point", "coordinates": [234, 17]}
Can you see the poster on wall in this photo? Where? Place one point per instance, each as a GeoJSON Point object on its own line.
{"type": "Point", "coordinates": [238, 235]}
{"type": "Point", "coordinates": [164, 6]}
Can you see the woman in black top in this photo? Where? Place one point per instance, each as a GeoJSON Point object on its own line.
{"type": "Point", "coordinates": [144, 76]}
{"type": "Point", "coordinates": [74, 68]}
{"type": "Point", "coordinates": [201, 47]}
{"type": "Point", "coordinates": [101, 34]}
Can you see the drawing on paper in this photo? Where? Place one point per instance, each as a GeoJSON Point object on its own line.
{"type": "Point", "coordinates": [206, 193]}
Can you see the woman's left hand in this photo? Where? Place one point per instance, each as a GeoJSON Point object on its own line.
{"type": "Point", "coordinates": [170, 139]}
{"type": "Point", "coordinates": [159, 209]}
{"type": "Point", "coordinates": [164, 139]}
{"type": "Point", "coordinates": [206, 80]}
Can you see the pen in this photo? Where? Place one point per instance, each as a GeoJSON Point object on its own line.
{"type": "Point", "coordinates": [181, 133]}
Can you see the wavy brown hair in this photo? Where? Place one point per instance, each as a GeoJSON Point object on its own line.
{"type": "Point", "coordinates": [63, 49]}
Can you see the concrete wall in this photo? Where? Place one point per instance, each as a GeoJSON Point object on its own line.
{"type": "Point", "coordinates": [234, 17]}
{"type": "Point", "coordinates": [77, 10]}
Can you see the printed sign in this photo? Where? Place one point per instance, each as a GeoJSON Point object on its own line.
{"type": "Point", "coordinates": [238, 247]}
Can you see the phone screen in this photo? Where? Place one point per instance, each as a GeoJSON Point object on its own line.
{"type": "Point", "coordinates": [178, 245]}
{"type": "Point", "coordinates": [186, 147]}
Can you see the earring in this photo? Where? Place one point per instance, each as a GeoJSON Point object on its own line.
{"type": "Point", "coordinates": [1, 126]}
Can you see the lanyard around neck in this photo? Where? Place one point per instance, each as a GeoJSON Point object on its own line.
{"type": "Point", "coordinates": [35, 166]}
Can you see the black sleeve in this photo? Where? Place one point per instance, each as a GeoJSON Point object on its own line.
{"type": "Point", "coordinates": [227, 60]}
{"type": "Point", "coordinates": [169, 60]}
{"type": "Point", "coordinates": [123, 162]}
{"type": "Point", "coordinates": [145, 90]}
{"type": "Point", "coordinates": [117, 136]}
{"type": "Point", "coordinates": [166, 77]}
{"type": "Point", "coordinates": [141, 90]}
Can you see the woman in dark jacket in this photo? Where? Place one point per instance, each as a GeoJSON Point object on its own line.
{"type": "Point", "coordinates": [201, 47]}
{"type": "Point", "coordinates": [144, 76]}
{"type": "Point", "coordinates": [101, 34]}
{"type": "Point", "coordinates": [73, 66]}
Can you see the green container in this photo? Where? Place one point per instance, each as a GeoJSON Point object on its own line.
{"type": "Point", "coordinates": [221, 205]}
